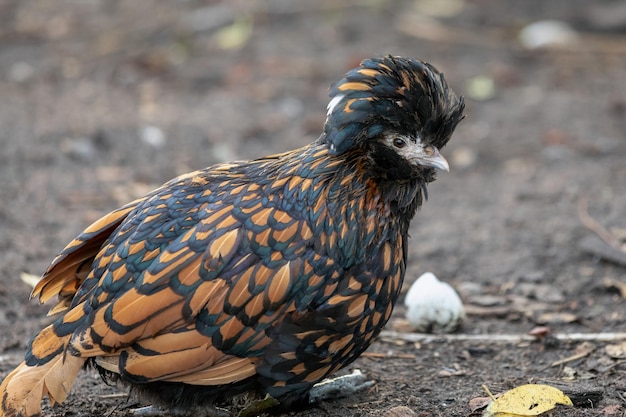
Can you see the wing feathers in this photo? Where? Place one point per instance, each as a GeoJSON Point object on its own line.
{"type": "Point", "coordinates": [280, 283]}
{"type": "Point", "coordinates": [163, 366]}
{"type": "Point", "coordinates": [65, 273]}
{"type": "Point", "coordinates": [193, 288]}
{"type": "Point", "coordinates": [46, 344]}
{"type": "Point", "coordinates": [25, 387]}
{"type": "Point", "coordinates": [52, 286]}
{"type": "Point", "coordinates": [119, 324]}
{"type": "Point", "coordinates": [208, 290]}
{"type": "Point", "coordinates": [179, 357]}
{"type": "Point", "coordinates": [231, 370]}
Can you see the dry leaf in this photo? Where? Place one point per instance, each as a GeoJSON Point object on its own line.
{"type": "Point", "coordinates": [527, 400]}
{"type": "Point", "coordinates": [556, 318]}
{"type": "Point", "coordinates": [613, 284]}
{"type": "Point", "coordinates": [584, 348]}
{"type": "Point", "coordinates": [539, 331]}
{"type": "Point", "coordinates": [617, 351]}
{"type": "Point", "coordinates": [487, 300]}
{"type": "Point", "coordinates": [612, 410]}
{"type": "Point", "coordinates": [478, 403]}
{"type": "Point", "coordinates": [400, 411]}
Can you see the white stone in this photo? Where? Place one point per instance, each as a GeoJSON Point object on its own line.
{"type": "Point", "coordinates": [153, 136]}
{"type": "Point", "coordinates": [433, 306]}
{"type": "Point", "coordinates": [547, 33]}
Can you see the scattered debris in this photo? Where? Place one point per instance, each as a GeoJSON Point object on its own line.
{"type": "Point", "coordinates": [80, 148]}
{"type": "Point", "coordinates": [612, 410]}
{"type": "Point", "coordinates": [539, 331]}
{"type": "Point", "coordinates": [583, 395]}
{"type": "Point", "coordinates": [21, 72]}
{"type": "Point", "coordinates": [556, 318]}
{"type": "Point", "coordinates": [340, 386]}
{"type": "Point", "coordinates": [546, 293]}
{"type": "Point", "coordinates": [448, 372]}
{"type": "Point", "coordinates": [593, 225]}
{"type": "Point", "coordinates": [439, 8]}
{"type": "Point", "coordinates": [598, 247]}
{"type": "Point", "coordinates": [605, 17]}
{"type": "Point", "coordinates": [389, 355]}
{"type": "Point", "coordinates": [494, 311]}
{"type": "Point", "coordinates": [399, 411]}
{"type": "Point", "coordinates": [478, 403]}
{"type": "Point", "coordinates": [488, 300]}
{"type": "Point", "coordinates": [617, 351]}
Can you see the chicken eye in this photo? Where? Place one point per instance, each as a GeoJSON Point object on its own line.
{"type": "Point", "coordinates": [399, 143]}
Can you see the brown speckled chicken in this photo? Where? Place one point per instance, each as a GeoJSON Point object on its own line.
{"type": "Point", "coordinates": [265, 275]}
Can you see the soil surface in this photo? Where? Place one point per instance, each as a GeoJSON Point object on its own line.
{"type": "Point", "coordinates": [103, 100]}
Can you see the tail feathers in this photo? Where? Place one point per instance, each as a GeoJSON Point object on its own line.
{"type": "Point", "coordinates": [23, 389]}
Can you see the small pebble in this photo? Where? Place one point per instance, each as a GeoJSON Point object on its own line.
{"type": "Point", "coordinates": [547, 33]}
{"type": "Point", "coordinates": [21, 72]}
{"type": "Point", "coordinates": [81, 148]}
{"type": "Point", "coordinates": [399, 411]}
{"type": "Point", "coordinates": [153, 136]}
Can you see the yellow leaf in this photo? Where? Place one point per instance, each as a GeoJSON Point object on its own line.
{"type": "Point", "coordinates": [527, 400]}
{"type": "Point", "coordinates": [236, 35]}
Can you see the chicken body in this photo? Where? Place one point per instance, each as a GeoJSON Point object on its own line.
{"type": "Point", "coordinates": [265, 275]}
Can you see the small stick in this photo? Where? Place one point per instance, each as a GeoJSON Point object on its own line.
{"type": "Point", "coordinates": [572, 358]}
{"type": "Point", "coordinates": [500, 338]}
{"type": "Point", "coordinates": [598, 247]}
{"type": "Point", "coordinates": [593, 225]}
{"type": "Point", "coordinates": [113, 396]}
{"type": "Point", "coordinates": [378, 355]}
{"type": "Point", "coordinates": [490, 37]}
{"type": "Point", "coordinates": [484, 387]}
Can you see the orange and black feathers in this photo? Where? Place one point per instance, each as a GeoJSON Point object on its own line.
{"type": "Point", "coordinates": [265, 275]}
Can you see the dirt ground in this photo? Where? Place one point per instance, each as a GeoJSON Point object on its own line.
{"type": "Point", "coordinates": [103, 100]}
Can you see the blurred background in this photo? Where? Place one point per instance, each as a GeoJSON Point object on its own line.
{"type": "Point", "coordinates": [101, 101]}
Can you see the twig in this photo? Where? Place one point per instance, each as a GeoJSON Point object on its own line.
{"type": "Point", "coordinates": [614, 364]}
{"type": "Point", "coordinates": [113, 396]}
{"type": "Point", "coordinates": [577, 356]}
{"type": "Point", "coordinates": [598, 247]}
{"type": "Point", "coordinates": [378, 355]}
{"type": "Point", "coordinates": [499, 338]}
{"type": "Point", "coordinates": [593, 225]}
{"type": "Point", "coordinates": [431, 29]}
{"type": "Point", "coordinates": [484, 387]}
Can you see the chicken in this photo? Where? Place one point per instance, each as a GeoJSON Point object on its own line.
{"type": "Point", "coordinates": [266, 275]}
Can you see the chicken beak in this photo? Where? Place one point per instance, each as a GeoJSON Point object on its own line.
{"type": "Point", "coordinates": [429, 156]}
